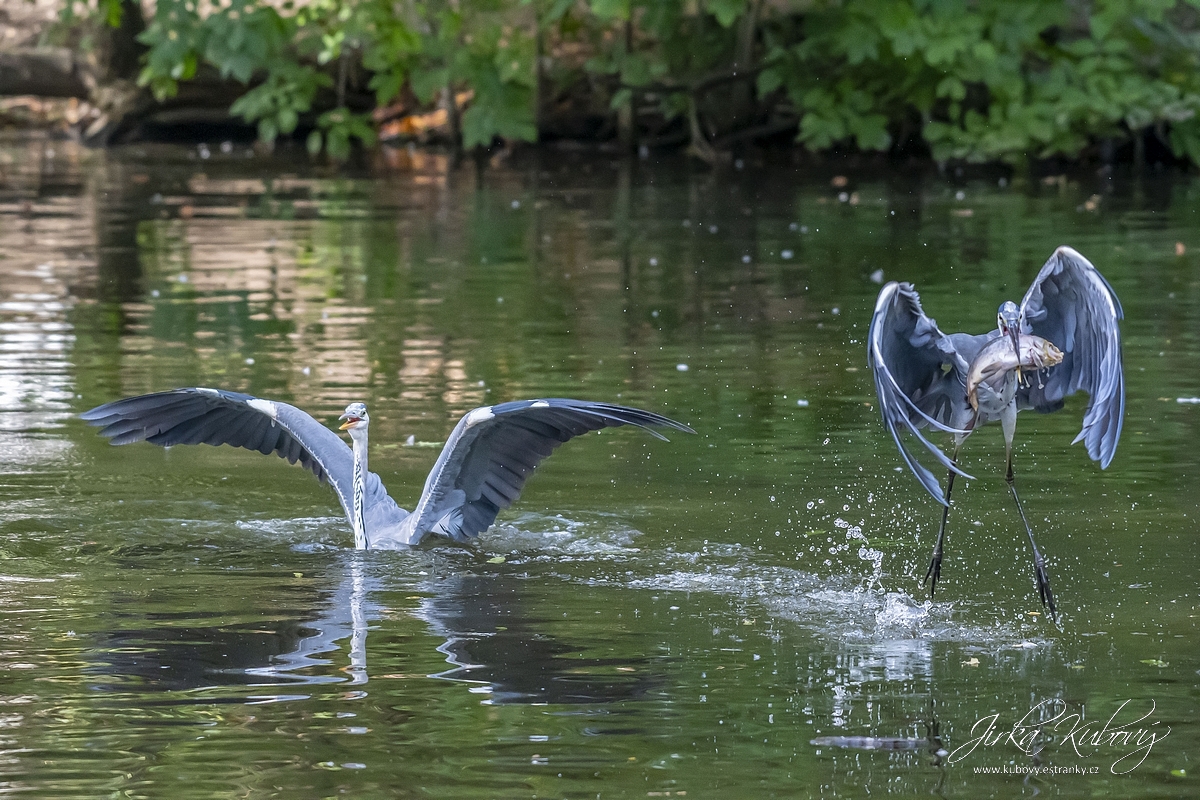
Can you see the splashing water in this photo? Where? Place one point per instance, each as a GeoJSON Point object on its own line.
{"type": "Point", "coordinates": [865, 551]}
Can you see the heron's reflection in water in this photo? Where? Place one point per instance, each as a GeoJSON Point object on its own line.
{"type": "Point", "coordinates": [495, 640]}
{"type": "Point", "coordinates": [346, 618]}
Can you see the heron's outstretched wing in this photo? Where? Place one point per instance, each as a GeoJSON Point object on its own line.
{"type": "Point", "coordinates": [920, 376]}
{"type": "Point", "coordinates": [1071, 304]}
{"type": "Point", "coordinates": [215, 416]}
{"type": "Point", "coordinates": [492, 451]}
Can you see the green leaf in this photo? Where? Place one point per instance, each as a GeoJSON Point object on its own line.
{"type": "Point", "coordinates": [313, 143]}
{"type": "Point", "coordinates": [386, 86]}
{"type": "Point", "coordinates": [870, 132]}
{"type": "Point", "coordinates": [267, 130]}
{"type": "Point", "coordinates": [608, 10]}
{"type": "Point", "coordinates": [186, 68]}
{"type": "Point", "coordinates": [426, 83]}
{"type": "Point", "coordinates": [636, 70]}
{"type": "Point", "coordinates": [499, 109]}
{"type": "Point", "coordinates": [620, 98]}
{"type": "Point", "coordinates": [819, 132]}
{"type": "Point", "coordinates": [951, 87]}
{"type": "Point", "coordinates": [726, 11]}
{"type": "Point", "coordinates": [287, 120]}
{"type": "Point", "coordinates": [161, 86]}
{"type": "Point", "coordinates": [859, 41]}
{"type": "Point", "coordinates": [768, 81]}
{"type": "Point", "coordinates": [1185, 140]}
{"type": "Point", "coordinates": [337, 144]}
{"type": "Point", "coordinates": [112, 12]}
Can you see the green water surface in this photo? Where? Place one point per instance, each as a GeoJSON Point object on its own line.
{"type": "Point", "coordinates": [733, 614]}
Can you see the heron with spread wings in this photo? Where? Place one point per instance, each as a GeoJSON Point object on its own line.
{"type": "Point", "coordinates": [481, 470]}
{"type": "Point", "coordinates": [1063, 338]}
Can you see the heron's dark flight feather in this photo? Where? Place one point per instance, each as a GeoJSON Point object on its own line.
{"type": "Point", "coordinates": [492, 451]}
{"type": "Point", "coordinates": [216, 417]}
{"type": "Point", "coordinates": [1071, 304]}
{"type": "Point", "coordinates": [919, 375]}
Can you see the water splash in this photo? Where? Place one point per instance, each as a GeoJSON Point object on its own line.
{"type": "Point", "coordinates": [533, 538]}
{"type": "Point", "coordinates": [865, 551]}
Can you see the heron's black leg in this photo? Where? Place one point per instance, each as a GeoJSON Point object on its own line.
{"type": "Point", "coordinates": [935, 564]}
{"type": "Point", "coordinates": [1039, 564]}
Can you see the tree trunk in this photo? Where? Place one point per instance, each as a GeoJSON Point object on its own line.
{"type": "Point", "coordinates": [539, 77]}
{"type": "Point", "coordinates": [118, 53]}
{"type": "Point", "coordinates": [625, 117]}
{"type": "Point", "coordinates": [454, 120]}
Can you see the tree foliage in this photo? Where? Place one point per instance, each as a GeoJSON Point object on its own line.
{"type": "Point", "coordinates": [974, 80]}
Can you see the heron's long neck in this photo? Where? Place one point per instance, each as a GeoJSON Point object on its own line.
{"type": "Point", "coordinates": [357, 518]}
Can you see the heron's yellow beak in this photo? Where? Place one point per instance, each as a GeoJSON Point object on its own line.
{"type": "Point", "coordinates": [1015, 336]}
{"type": "Point", "coordinates": [348, 424]}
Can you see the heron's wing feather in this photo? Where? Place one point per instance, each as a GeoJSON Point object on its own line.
{"type": "Point", "coordinates": [920, 377]}
{"type": "Point", "coordinates": [493, 450]}
{"type": "Point", "coordinates": [215, 416]}
{"type": "Point", "coordinates": [1072, 305]}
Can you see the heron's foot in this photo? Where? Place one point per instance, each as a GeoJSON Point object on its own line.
{"type": "Point", "coordinates": [1043, 586]}
{"type": "Point", "coordinates": [934, 572]}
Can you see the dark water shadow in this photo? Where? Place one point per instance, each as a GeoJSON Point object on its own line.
{"type": "Point", "coordinates": [495, 639]}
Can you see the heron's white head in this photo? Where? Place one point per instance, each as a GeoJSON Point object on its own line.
{"type": "Point", "coordinates": [356, 420]}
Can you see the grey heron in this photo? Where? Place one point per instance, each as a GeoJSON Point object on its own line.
{"type": "Point", "coordinates": [1065, 332]}
{"type": "Point", "coordinates": [481, 470]}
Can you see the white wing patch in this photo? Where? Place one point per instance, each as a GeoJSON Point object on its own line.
{"type": "Point", "coordinates": [540, 404]}
{"type": "Point", "coordinates": [885, 296]}
{"type": "Point", "coordinates": [263, 407]}
{"type": "Point", "coordinates": [479, 415]}
{"type": "Point", "coordinates": [1102, 290]}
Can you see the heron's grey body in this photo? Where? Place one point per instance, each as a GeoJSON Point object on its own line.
{"type": "Point", "coordinates": [922, 375]}
{"type": "Point", "coordinates": [482, 467]}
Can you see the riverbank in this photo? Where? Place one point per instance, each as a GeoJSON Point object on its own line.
{"type": "Point", "coordinates": [995, 82]}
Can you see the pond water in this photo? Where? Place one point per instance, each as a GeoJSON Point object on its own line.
{"type": "Point", "coordinates": [735, 613]}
